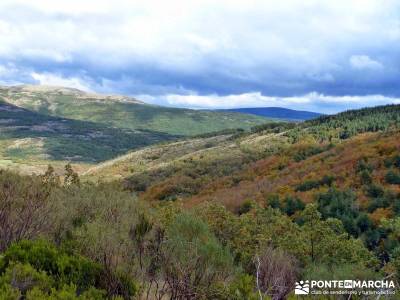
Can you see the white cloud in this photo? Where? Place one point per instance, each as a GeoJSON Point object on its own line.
{"type": "Point", "coordinates": [181, 32]}
{"type": "Point", "coordinates": [286, 47]}
{"type": "Point", "coordinates": [54, 80]}
{"type": "Point", "coordinates": [363, 62]}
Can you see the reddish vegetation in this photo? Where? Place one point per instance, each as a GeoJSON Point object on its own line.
{"type": "Point", "coordinates": [280, 174]}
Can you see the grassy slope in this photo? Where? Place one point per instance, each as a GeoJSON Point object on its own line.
{"type": "Point", "coordinates": [42, 124]}
{"type": "Point", "coordinates": [35, 139]}
{"type": "Point", "coordinates": [123, 112]}
{"type": "Point", "coordinates": [153, 157]}
{"type": "Point", "coordinates": [265, 142]}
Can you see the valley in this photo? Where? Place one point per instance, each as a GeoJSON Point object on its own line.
{"type": "Point", "coordinates": [124, 211]}
{"type": "Point", "coordinates": [42, 125]}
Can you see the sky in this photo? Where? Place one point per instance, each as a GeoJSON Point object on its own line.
{"type": "Point", "coordinates": [317, 55]}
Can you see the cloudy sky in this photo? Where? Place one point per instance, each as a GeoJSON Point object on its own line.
{"type": "Point", "coordinates": [315, 55]}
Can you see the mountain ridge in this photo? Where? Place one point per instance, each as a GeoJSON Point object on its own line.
{"type": "Point", "coordinates": [129, 113]}
{"type": "Point", "coordinates": [46, 124]}
{"type": "Point", "coordinates": [277, 112]}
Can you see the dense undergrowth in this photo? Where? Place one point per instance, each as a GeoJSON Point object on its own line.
{"type": "Point", "coordinates": [221, 217]}
{"type": "Point", "coordinates": [75, 240]}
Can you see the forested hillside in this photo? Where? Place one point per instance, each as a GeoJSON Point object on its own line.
{"type": "Point", "coordinates": [277, 113]}
{"type": "Point", "coordinates": [230, 215]}
{"type": "Point", "coordinates": [123, 112]}
{"type": "Point", "coordinates": [42, 125]}
{"type": "Point", "coordinates": [350, 123]}
{"type": "Point", "coordinates": [35, 139]}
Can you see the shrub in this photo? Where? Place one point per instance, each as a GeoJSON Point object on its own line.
{"type": "Point", "coordinates": [276, 273]}
{"type": "Point", "coordinates": [342, 205]}
{"type": "Point", "coordinates": [273, 201]}
{"type": "Point", "coordinates": [396, 205]}
{"type": "Point", "coordinates": [307, 185]}
{"type": "Point", "coordinates": [393, 162]}
{"type": "Point", "coordinates": [193, 259]}
{"type": "Point", "coordinates": [339, 272]}
{"type": "Point", "coordinates": [366, 177]}
{"type": "Point", "coordinates": [26, 209]}
{"type": "Point", "coordinates": [291, 205]}
{"type": "Point", "coordinates": [308, 151]}
{"type": "Point", "coordinates": [245, 207]}
{"type": "Point", "coordinates": [274, 127]}
{"type": "Point", "coordinates": [375, 203]}
{"type": "Point", "coordinates": [312, 184]}
{"type": "Point", "coordinates": [396, 161]}
{"type": "Point", "coordinates": [66, 292]}
{"type": "Point", "coordinates": [375, 191]}
{"type": "Point", "coordinates": [328, 243]}
{"type": "Point", "coordinates": [24, 277]}
{"type": "Point", "coordinates": [392, 177]}
{"type": "Point", "coordinates": [243, 288]}
{"type": "Point", "coordinates": [363, 165]}
{"type": "Point", "coordinates": [7, 292]}
{"type": "Point", "coordinates": [44, 257]}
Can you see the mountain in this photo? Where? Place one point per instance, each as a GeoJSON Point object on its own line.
{"type": "Point", "coordinates": [310, 199]}
{"type": "Point", "coordinates": [122, 112]}
{"type": "Point", "coordinates": [30, 138]}
{"type": "Point", "coordinates": [273, 158]}
{"type": "Point", "coordinates": [276, 113]}
{"type": "Point", "coordinates": [42, 124]}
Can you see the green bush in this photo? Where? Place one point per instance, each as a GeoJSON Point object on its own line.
{"type": "Point", "coordinates": [193, 259]}
{"type": "Point", "coordinates": [24, 277]}
{"type": "Point", "coordinates": [341, 205]}
{"type": "Point", "coordinates": [245, 207]}
{"type": "Point", "coordinates": [339, 272]}
{"type": "Point", "coordinates": [393, 162]}
{"type": "Point", "coordinates": [243, 288]}
{"type": "Point", "coordinates": [291, 205]}
{"type": "Point", "coordinates": [44, 257]}
{"type": "Point", "coordinates": [304, 153]}
{"type": "Point", "coordinates": [7, 292]}
{"type": "Point", "coordinates": [273, 201]}
{"type": "Point", "coordinates": [375, 191]}
{"type": "Point", "coordinates": [67, 292]}
{"type": "Point", "coordinates": [273, 127]}
{"type": "Point", "coordinates": [365, 177]}
{"type": "Point", "coordinates": [392, 177]}
{"type": "Point", "coordinates": [312, 184]}
{"type": "Point", "coordinates": [376, 203]}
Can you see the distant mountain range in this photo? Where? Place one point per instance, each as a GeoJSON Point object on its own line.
{"type": "Point", "coordinates": [41, 124]}
{"type": "Point", "coordinates": [122, 112]}
{"type": "Point", "coordinates": [45, 124]}
{"type": "Point", "coordinates": [276, 113]}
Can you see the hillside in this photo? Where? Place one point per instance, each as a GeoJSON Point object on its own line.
{"type": "Point", "coordinates": [276, 113]}
{"type": "Point", "coordinates": [319, 199]}
{"type": "Point", "coordinates": [280, 159]}
{"type": "Point", "coordinates": [343, 170]}
{"type": "Point", "coordinates": [42, 124]}
{"type": "Point", "coordinates": [30, 138]}
{"type": "Point", "coordinates": [122, 112]}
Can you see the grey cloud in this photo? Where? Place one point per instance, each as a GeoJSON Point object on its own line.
{"type": "Point", "coordinates": [279, 49]}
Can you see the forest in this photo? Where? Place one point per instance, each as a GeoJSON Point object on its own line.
{"type": "Point", "coordinates": [228, 215]}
